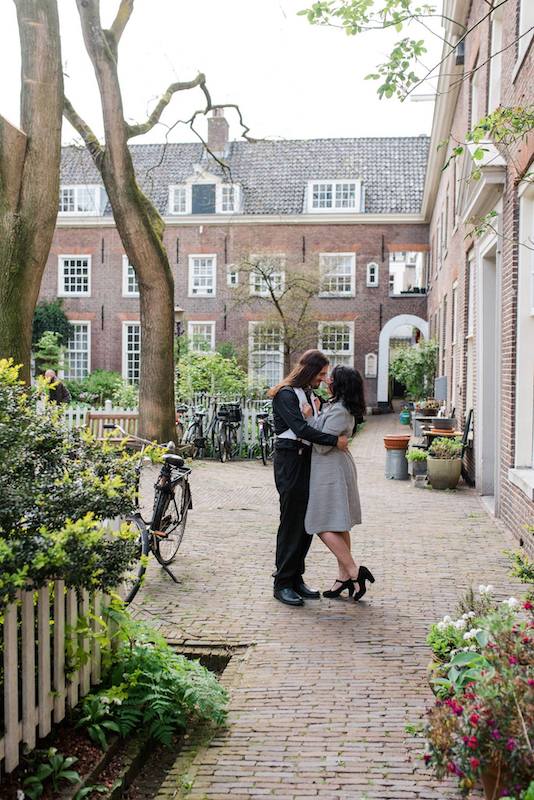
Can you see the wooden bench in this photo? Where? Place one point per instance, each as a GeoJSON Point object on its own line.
{"type": "Point", "coordinates": [128, 420]}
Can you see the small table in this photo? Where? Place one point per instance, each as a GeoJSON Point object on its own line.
{"type": "Point", "coordinates": [444, 434]}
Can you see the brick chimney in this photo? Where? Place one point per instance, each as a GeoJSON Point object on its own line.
{"type": "Point", "coordinates": [217, 131]}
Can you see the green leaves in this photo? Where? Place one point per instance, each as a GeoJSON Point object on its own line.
{"type": "Point", "coordinates": [54, 769]}
{"type": "Point", "coordinates": [416, 367]}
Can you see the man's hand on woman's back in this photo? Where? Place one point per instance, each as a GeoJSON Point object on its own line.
{"type": "Point", "coordinates": [342, 442]}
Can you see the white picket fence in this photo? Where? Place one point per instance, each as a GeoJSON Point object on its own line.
{"type": "Point", "coordinates": [76, 416]}
{"type": "Point", "coordinates": [37, 691]}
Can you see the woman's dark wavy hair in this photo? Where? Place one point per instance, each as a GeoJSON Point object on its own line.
{"type": "Point", "coordinates": [347, 388]}
{"type": "Point", "coordinates": [309, 365]}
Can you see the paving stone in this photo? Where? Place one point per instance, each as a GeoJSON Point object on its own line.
{"type": "Point", "coordinates": [320, 695]}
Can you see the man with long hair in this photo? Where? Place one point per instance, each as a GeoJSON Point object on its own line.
{"type": "Point", "coordinates": [292, 458]}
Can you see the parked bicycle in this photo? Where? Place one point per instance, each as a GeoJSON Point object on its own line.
{"type": "Point", "coordinates": [227, 422]}
{"type": "Point", "coordinates": [197, 433]}
{"type": "Point", "coordinates": [162, 534]}
{"type": "Point", "coordinates": [265, 424]}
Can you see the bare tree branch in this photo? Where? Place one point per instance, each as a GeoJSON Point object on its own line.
{"type": "Point", "coordinates": [91, 141]}
{"type": "Point", "coordinates": [163, 102]}
{"type": "Point", "coordinates": [121, 20]}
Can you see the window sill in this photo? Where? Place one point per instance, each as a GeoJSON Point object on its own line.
{"type": "Point", "coordinates": [523, 478]}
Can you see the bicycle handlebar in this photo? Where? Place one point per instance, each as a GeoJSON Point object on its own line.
{"type": "Point", "coordinates": [116, 427]}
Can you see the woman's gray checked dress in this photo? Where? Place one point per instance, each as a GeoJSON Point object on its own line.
{"type": "Point", "coordinates": [334, 503]}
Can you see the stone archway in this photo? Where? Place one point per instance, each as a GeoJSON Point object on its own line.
{"type": "Point", "coordinates": [383, 350]}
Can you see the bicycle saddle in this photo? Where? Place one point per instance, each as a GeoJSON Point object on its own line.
{"type": "Point", "coordinates": [200, 412]}
{"type": "Point", "coordinates": [173, 460]}
{"type": "Point", "coordinates": [182, 409]}
{"type": "Point", "coordinates": [262, 415]}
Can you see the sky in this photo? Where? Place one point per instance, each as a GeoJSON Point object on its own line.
{"type": "Point", "coordinates": [290, 79]}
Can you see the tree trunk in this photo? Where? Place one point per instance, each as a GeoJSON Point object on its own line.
{"type": "Point", "coordinates": [29, 177]}
{"type": "Point", "coordinates": [140, 227]}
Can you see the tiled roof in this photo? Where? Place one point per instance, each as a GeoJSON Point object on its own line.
{"type": "Point", "coordinates": [274, 174]}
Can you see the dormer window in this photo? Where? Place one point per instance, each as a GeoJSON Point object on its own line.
{"type": "Point", "coordinates": [90, 200]}
{"type": "Point", "coordinates": [204, 198]}
{"type": "Point", "coordinates": [324, 196]}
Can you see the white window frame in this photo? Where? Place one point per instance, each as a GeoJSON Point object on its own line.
{"type": "Point", "coordinates": [192, 257]}
{"type": "Point", "coordinates": [187, 188]}
{"type": "Point", "coordinates": [219, 194]}
{"type": "Point", "coordinates": [371, 372]}
{"type": "Point", "coordinates": [252, 327]}
{"type": "Point", "coordinates": [329, 352]}
{"type": "Point", "coordinates": [335, 208]}
{"type": "Point", "coordinates": [126, 266]}
{"type": "Point", "coordinates": [190, 334]}
{"type": "Point", "coordinates": [99, 199]}
{"type": "Point", "coordinates": [61, 275]}
{"type": "Point", "coordinates": [495, 64]}
{"type": "Point", "coordinates": [278, 275]}
{"type": "Point", "coordinates": [87, 324]}
{"type": "Point", "coordinates": [232, 275]}
{"type": "Point", "coordinates": [324, 274]}
{"type": "Point", "coordinates": [526, 21]}
{"type": "Point", "coordinates": [172, 191]}
{"type": "Point", "coordinates": [370, 281]}
{"type": "Point", "coordinates": [124, 366]}
{"type": "Point", "coordinates": [474, 95]}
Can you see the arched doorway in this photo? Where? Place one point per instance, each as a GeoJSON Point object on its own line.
{"type": "Point", "coordinates": [383, 350]}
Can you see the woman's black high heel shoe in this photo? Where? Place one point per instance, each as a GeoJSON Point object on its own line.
{"type": "Point", "coordinates": [341, 588]}
{"type": "Point", "coordinates": [363, 575]}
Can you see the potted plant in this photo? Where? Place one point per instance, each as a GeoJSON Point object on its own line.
{"type": "Point", "coordinates": [417, 461]}
{"type": "Point", "coordinates": [445, 462]}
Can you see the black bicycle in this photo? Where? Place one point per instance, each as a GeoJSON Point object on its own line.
{"type": "Point", "coordinates": [196, 433]}
{"type": "Point", "coordinates": [162, 534]}
{"type": "Point", "coordinates": [227, 422]}
{"type": "Point", "coordinates": [265, 424]}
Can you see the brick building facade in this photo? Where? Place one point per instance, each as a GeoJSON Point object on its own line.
{"type": "Point", "coordinates": [348, 209]}
{"type": "Point", "coordinates": [481, 287]}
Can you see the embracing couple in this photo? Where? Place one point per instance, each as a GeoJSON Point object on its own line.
{"type": "Point", "coordinates": [315, 475]}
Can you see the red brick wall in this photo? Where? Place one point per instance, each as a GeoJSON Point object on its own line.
{"type": "Point", "coordinates": [370, 309]}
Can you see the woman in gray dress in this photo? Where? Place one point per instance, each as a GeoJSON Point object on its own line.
{"type": "Point", "coordinates": [334, 502]}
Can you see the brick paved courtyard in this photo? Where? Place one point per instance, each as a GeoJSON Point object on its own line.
{"type": "Point", "coordinates": [320, 695]}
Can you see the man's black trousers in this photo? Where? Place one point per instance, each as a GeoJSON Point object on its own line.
{"type": "Point", "coordinates": [292, 477]}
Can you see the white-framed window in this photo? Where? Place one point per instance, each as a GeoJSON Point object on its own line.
{"type": "Point", "coordinates": [74, 276]}
{"type": "Point", "coordinates": [336, 340]}
{"type": "Point", "coordinates": [265, 353]}
{"type": "Point", "coordinates": [131, 351]}
{"type": "Point", "coordinates": [232, 275]}
{"type": "Point", "coordinates": [526, 22]}
{"type": "Point", "coordinates": [81, 199]}
{"type": "Point", "coordinates": [130, 286]}
{"type": "Point", "coordinates": [495, 64]}
{"type": "Point", "coordinates": [473, 96]}
{"type": "Point", "coordinates": [269, 275]}
{"type": "Point", "coordinates": [77, 364]}
{"type": "Point", "coordinates": [338, 274]}
{"type": "Point", "coordinates": [371, 365]}
{"type": "Point", "coordinates": [454, 348]}
{"type": "Point", "coordinates": [372, 273]}
{"type": "Point", "coordinates": [202, 275]}
{"type": "Point", "coordinates": [204, 197]}
{"type": "Point", "coordinates": [324, 196]}
{"type": "Point", "coordinates": [201, 336]}
{"type": "Point", "coordinates": [407, 272]}
{"type": "Point", "coordinates": [179, 199]}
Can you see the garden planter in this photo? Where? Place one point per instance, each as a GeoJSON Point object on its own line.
{"type": "Point", "coordinates": [416, 468]}
{"type": "Point", "coordinates": [397, 441]}
{"type": "Point", "coordinates": [494, 782]}
{"type": "Point", "coordinates": [444, 473]}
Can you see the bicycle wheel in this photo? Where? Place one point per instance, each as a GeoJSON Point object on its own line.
{"type": "Point", "coordinates": [222, 450]}
{"type": "Point", "coordinates": [263, 446]}
{"type": "Point", "coordinates": [133, 577]}
{"type": "Point", "coordinates": [170, 531]}
{"type": "Point", "coordinates": [231, 443]}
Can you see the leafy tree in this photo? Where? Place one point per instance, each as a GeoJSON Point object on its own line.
{"type": "Point", "coordinates": [416, 367]}
{"type": "Point", "coordinates": [48, 352]}
{"type": "Point", "coordinates": [226, 349]}
{"type": "Point", "coordinates": [50, 316]}
{"type": "Point", "coordinates": [212, 373]}
{"type": "Point", "coordinates": [29, 177]}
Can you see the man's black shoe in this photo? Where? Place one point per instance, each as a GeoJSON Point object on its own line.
{"type": "Point", "coordinates": [305, 591]}
{"type": "Point", "coordinates": [288, 596]}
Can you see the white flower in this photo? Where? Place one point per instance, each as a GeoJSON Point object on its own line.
{"type": "Point", "coordinates": [469, 614]}
{"type": "Point", "coordinates": [447, 620]}
{"type": "Point", "coordinates": [472, 633]}
{"type": "Point", "coordinates": [459, 624]}
{"type": "Point", "coordinates": [511, 602]}
{"type": "Point", "coordinates": [441, 625]}
{"type": "Point", "coordinates": [485, 589]}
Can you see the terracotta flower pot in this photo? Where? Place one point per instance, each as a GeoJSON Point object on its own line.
{"type": "Point", "coordinates": [397, 441]}
{"type": "Point", "coordinates": [444, 473]}
{"type": "Point", "coordinates": [494, 780]}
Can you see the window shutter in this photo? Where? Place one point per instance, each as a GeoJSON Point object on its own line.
{"type": "Point", "coordinates": [203, 198]}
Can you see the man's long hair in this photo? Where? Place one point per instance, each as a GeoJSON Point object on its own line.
{"type": "Point", "coordinates": [309, 365]}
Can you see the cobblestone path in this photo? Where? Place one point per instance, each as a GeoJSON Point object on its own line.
{"type": "Point", "coordinates": [320, 695]}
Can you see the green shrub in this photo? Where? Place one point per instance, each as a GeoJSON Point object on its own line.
{"type": "Point", "coordinates": [56, 488]}
{"type": "Point", "coordinates": [209, 372]}
{"type": "Point", "coordinates": [416, 454]}
{"type": "Point", "coordinates": [415, 367]}
{"type": "Point", "coordinates": [97, 387]}
{"type": "Point", "coordinates": [50, 316]}
{"type": "Point", "coordinates": [49, 352]}
{"type": "Point", "coordinates": [447, 448]}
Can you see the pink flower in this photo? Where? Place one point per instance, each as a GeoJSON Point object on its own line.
{"type": "Point", "coordinates": [495, 733]}
{"type": "Point", "coordinates": [530, 681]}
{"type": "Point", "coordinates": [512, 660]}
{"type": "Point", "coordinates": [454, 706]}
{"type": "Point", "coordinates": [475, 763]}
{"type": "Point", "coordinates": [426, 758]}
{"type": "Point", "coordinates": [528, 605]}
{"type": "Point", "coordinates": [510, 744]}
{"type": "Point", "coordinates": [474, 719]}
